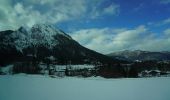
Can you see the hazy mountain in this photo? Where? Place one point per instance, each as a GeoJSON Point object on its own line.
{"type": "Point", "coordinates": [140, 55]}
{"type": "Point", "coordinates": [44, 41]}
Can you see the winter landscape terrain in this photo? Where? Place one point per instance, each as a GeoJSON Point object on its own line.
{"type": "Point", "coordinates": [44, 48]}
{"type": "Point", "coordinates": [44, 63]}
{"type": "Point", "coordinates": [84, 49]}
{"type": "Point", "coordinates": [36, 87]}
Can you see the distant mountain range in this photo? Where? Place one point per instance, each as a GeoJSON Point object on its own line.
{"type": "Point", "coordinates": [139, 55]}
{"type": "Point", "coordinates": [30, 49]}
{"type": "Point", "coordinates": [44, 41]}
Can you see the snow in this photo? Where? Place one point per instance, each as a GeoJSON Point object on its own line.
{"type": "Point", "coordinates": [7, 69]}
{"type": "Point", "coordinates": [42, 34]}
{"type": "Point", "coordinates": [22, 40]}
{"type": "Point", "coordinates": [39, 34]}
{"type": "Point", "coordinates": [63, 67]}
{"type": "Point", "coordinates": [36, 87]}
{"type": "Point", "coordinates": [47, 30]}
{"type": "Point", "coordinates": [74, 66]}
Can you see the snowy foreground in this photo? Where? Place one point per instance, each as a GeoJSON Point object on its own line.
{"type": "Point", "coordinates": [36, 87]}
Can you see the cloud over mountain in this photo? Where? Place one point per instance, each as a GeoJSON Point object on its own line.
{"type": "Point", "coordinates": [102, 25]}
{"type": "Point", "coordinates": [15, 13]}
{"type": "Point", "coordinates": [108, 40]}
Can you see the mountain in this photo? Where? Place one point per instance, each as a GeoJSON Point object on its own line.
{"type": "Point", "coordinates": [139, 55]}
{"type": "Point", "coordinates": [42, 42]}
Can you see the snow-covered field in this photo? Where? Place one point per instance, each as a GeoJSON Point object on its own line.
{"type": "Point", "coordinates": [36, 87]}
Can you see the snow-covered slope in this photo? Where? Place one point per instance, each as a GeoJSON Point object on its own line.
{"type": "Point", "coordinates": [42, 41]}
{"type": "Point", "coordinates": [22, 38]}
{"type": "Point", "coordinates": [39, 34]}
{"type": "Point", "coordinates": [28, 87]}
{"type": "Point", "coordinates": [42, 34]}
{"type": "Point", "coordinates": [47, 30]}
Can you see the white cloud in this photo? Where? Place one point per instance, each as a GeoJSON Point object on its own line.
{"type": "Point", "coordinates": [27, 13]}
{"type": "Point", "coordinates": [107, 40]}
{"type": "Point", "coordinates": [112, 9]}
{"type": "Point", "coordinates": [165, 1]}
{"type": "Point", "coordinates": [167, 32]}
{"type": "Point", "coordinates": [95, 39]}
{"type": "Point", "coordinates": [166, 21]}
{"type": "Point", "coordinates": [14, 16]}
{"type": "Point", "coordinates": [42, 2]}
{"type": "Point", "coordinates": [160, 23]}
{"type": "Point", "coordinates": [16, 13]}
{"type": "Point", "coordinates": [139, 7]}
{"type": "Point", "coordinates": [130, 35]}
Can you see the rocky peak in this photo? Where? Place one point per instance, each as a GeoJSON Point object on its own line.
{"type": "Point", "coordinates": [47, 30]}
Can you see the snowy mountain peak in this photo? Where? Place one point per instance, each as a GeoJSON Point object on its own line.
{"type": "Point", "coordinates": [43, 29]}
{"type": "Point", "coordinates": [47, 30]}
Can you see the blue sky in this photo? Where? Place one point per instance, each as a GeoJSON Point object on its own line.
{"type": "Point", "coordinates": [102, 25]}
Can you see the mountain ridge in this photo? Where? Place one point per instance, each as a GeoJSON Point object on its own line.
{"type": "Point", "coordinates": [140, 55]}
{"type": "Point", "coordinates": [42, 41]}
